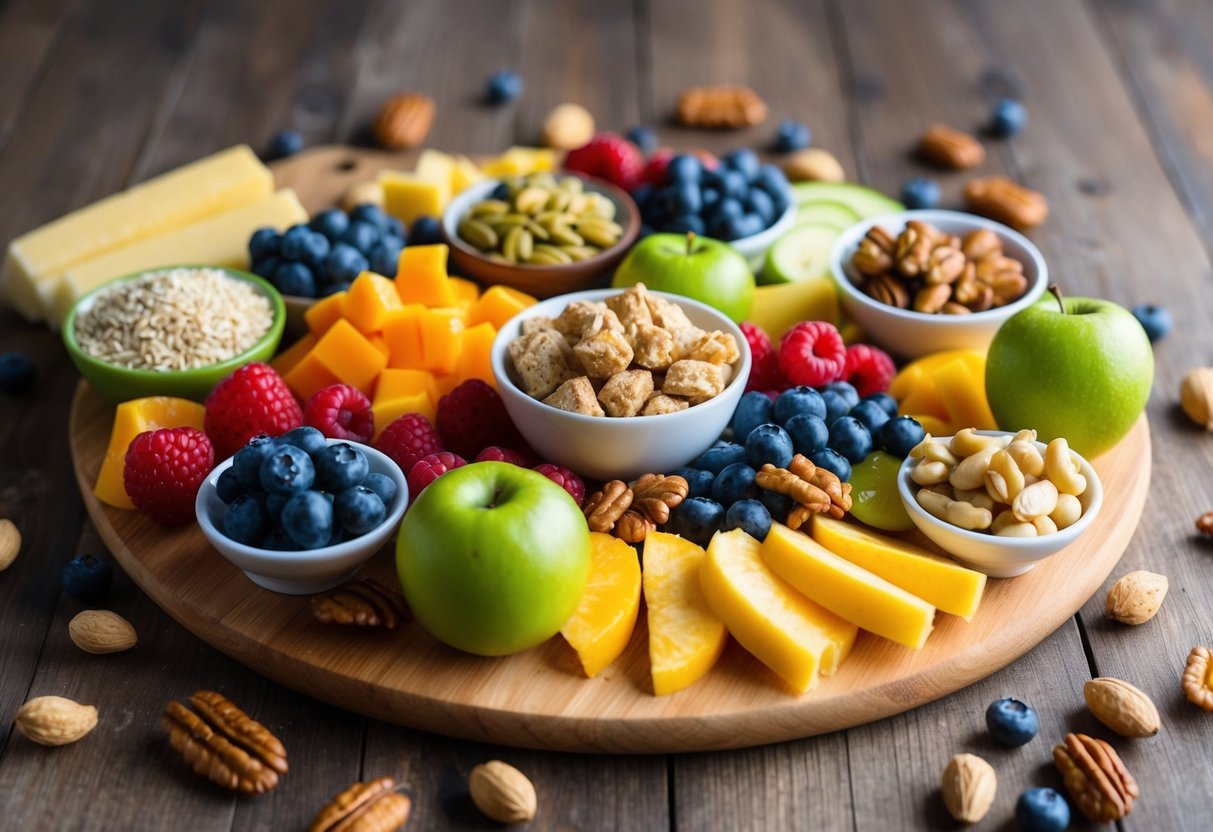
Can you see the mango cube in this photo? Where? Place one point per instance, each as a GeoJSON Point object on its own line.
{"type": "Point", "coordinates": [393, 409]}
{"type": "Point", "coordinates": [466, 292]}
{"type": "Point", "coordinates": [421, 276]}
{"type": "Point", "coordinates": [445, 384]}
{"type": "Point", "coordinates": [441, 339]}
{"type": "Point", "coordinates": [347, 354]}
{"type": "Point", "coordinates": [402, 334]}
{"type": "Point", "coordinates": [286, 360]}
{"type": "Point", "coordinates": [369, 300]}
{"type": "Point", "coordinates": [408, 196]}
{"type": "Point", "coordinates": [324, 313]}
{"type": "Point", "coordinates": [474, 354]}
{"type": "Point", "coordinates": [964, 394]}
{"type": "Point", "coordinates": [309, 375]}
{"type": "Point", "coordinates": [131, 419]}
{"type": "Point", "coordinates": [497, 305]}
{"type": "Point", "coordinates": [396, 383]}
{"type": "Point", "coordinates": [380, 343]}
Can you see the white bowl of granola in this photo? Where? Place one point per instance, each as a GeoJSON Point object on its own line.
{"type": "Point", "coordinates": [615, 391]}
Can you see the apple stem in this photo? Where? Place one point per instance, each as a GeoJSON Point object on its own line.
{"type": "Point", "coordinates": [1056, 290]}
{"type": "Point", "coordinates": [690, 242]}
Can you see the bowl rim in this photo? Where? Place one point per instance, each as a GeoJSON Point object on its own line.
{"type": "Point", "coordinates": [332, 552]}
{"type": "Point", "coordinates": [273, 334]}
{"type": "Point", "coordinates": [1012, 545]}
{"type": "Point", "coordinates": [618, 195]}
{"type": "Point", "coordinates": [848, 241]}
{"type": "Point", "coordinates": [500, 348]}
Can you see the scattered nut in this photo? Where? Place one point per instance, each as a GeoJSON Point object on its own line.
{"type": "Point", "coordinates": [224, 744]}
{"type": "Point", "coordinates": [360, 603]}
{"type": "Point", "coordinates": [1204, 524]}
{"type": "Point", "coordinates": [1125, 709]}
{"type": "Point", "coordinates": [1198, 678]}
{"type": "Point", "coordinates": [813, 165]}
{"type": "Point", "coordinates": [568, 126]}
{"type": "Point", "coordinates": [720, 107]}
{"type": "Point", "coordinates": [10, 543]}
{"type": "Point", "coordinates": [503, 792]}
{"type": "Point", "coordinates": [1196, 396]}
{"type": "Point", "coordinates": [950, 148]}
{"type": "Point", "coordinates": [374, 806]}
{"type": "Point", "coordinates": [1095, 777]}
{"type": "Point", "coordinates": [1007, 201]}
{"type": "Point", "coordinates": [404, 120]}
{"type": "Point", "coordinates": [1136, 597]}
{"type": "Point", "coordinates": [53, 720]}
{"type": "Point", "coordinates": [102, 631]}
{"type": "Point", "coordinates": [969, 785]}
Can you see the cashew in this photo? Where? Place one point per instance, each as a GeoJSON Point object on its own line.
{"type": "Point", "coordinates": [929, 473]}
{"type": "Point", "coordinates": [1026, 435]}
{"type": "Point", "coordinates": [1005, 518]}
{"type": "Point", "coordinates": [1062, 469]}
{"type": "Point", "coordinates": [1027, 456]}
{"type": "Point", "coordinates": [970, 474]}
{"type": "Point", "coordinates": [978, 498]}
{"type": "Point", "coordinates": [933, 450]}
{"type": "Point", "coordinates": [968, 516]}
{"type": "Point", "coordinates": [933, 502]}
{"type": "Point", "coordinates": [917, 451]}
{"type": "Point", "coordinates": [1017, 530]}
{"type": "Point", "coordinates": [941, 488]}
{"type": "Point", "coordinates": [1044, 525]}
{"type": "Point", "coordinates": [1003, 478]}
{"type": "Point", "coordinates": [1068, 510]}
{"type": "Point", "coordinates": [968, 442]}
{"type": "Point", "coordinates": [1037, 500]}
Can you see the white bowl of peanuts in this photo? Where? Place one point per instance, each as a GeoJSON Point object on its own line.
{"type": "Point", "coordinates": [1000, 502]}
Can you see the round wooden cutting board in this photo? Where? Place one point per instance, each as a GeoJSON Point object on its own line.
{"type": "Point", "coordinates": [539, 698]}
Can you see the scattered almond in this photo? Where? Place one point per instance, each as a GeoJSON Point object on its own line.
{"type": "Point", "coordinates": [54, 720]}
{"type": "Point", "coordinates": [102, 631]}
{"type": "Point", "coordinates": [10, 543]}
{"type": "Point", "coordinates": [813, 165]}
{"type": "Point", "coordinates": [568, 126]}
{"type": "Point", "coordinates": [503, 792]}
{"type": "Point", "coordinates": [969, 785]}
{"type": "Point", "coordinates": [1136, 597]}
{"type": "Point", "coordinates": [1122, 707]}
{"type": "Point", "coordinates": [404, 120]}
{"type": "Point", "coordinates": [1196, 396]}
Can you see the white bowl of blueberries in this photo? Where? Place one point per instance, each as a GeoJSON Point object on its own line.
{"type": "Point", "coordinates": [300, 513]}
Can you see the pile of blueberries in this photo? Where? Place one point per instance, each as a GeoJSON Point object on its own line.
{"type": "Point", "coordinates": [324, 256]}
{"type": "Point", "coordinates": [830, 425]}
{"type": "Point", "coordinates": [300, 492]}
{"type": "Point", "coordinates": [741, 198]}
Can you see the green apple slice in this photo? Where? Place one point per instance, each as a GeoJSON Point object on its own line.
{"type": "Point", "coordinates": [803, 253]}
{"type": "Point", "coordinates": [861, 199]}
{"type": "Point", "coordinates": [827, 213]}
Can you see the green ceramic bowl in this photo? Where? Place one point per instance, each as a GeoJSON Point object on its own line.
{"type": "Point", "coordinates": [120, 384]}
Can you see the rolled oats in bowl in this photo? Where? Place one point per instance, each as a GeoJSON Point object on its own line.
{"type": "Point", "coordinates": [174, 319]}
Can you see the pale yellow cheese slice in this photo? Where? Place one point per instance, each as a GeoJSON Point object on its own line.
{"type": "Point", "coordinates": [220, 182]}
{"type": "Point", "coordinates": [221, 240]}
{"type": "Point", "coordinates": [847, 590]}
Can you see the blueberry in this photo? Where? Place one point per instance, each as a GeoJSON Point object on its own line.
{"type": "Point", "coordinates": [332, 289]}
{"type": "Point", "coordinates": [339, 467]}
{"type": "Point", "coordinates": [284, 143]}
{"type": "Point", "coordinates": [847, 390]}
{"type": "Point", "coordinates": [664, 202]}
{"type": "Point", "coordinates": [729, 208]}
{"type": "Point", "coordinates": [684, 168]}
{"type": "Point", "coordinates": [385, 256]}
{"type": "Point", "coordinates": [295, 279]}
{"type": "Point", "coordinates": [808, 432]}
{"type": "Point", "coordinates": [246, 462]}
{"type": "Point", "coordinates": [276, 540]}
{"type": "Point", "coordinates": [832, 461]}
{"type": "Point", "coordinates": [836, 406]}
{"type": "Point", "coordinates": [751, 516]}
{"type": "Point", "coordinates": [771, 180]}
{"type": "Point", "coordinates": [274, 503]}
{"type": "Point", "coordinates": [358, 510]}
{"type": "Point", "coordinates": [699, 483]}
{"type": "Point", "coordinates": [871, 415]}
{"type": "Point", "coordinates": [682, 223]}
{"type": "Point", "coordinates": [760, 203]}
{"type": "Point", "coordinates": [753, 410]}
{"type": "Point", "coordinates": [792, 135]}
{"type": "Point", "coordinates": [1011, 722]}
{"type": "Point", "coordinates": [382, 485]}
{"type": "Point", "coordinates": [331, 223]}
{"type": "Point", "coordinates": [503, 86]}
{"type": "Point", "coordinates": [371, 214]}
{"type": "Point", "coordinates": [87, 579]}
{"type": "Point", "coordinates": [1155, 320]}
{"type": "Point", "coordinates": [697, 519]}
{"type": "Point", "coordinates": [744, 162]}
{"type": "Point", "coordinates": [291, 246]}
{"type": "Point", "coordinates": [734, 184]}
{"type": "Point", "coordinates": [267, 268]}
{"type": "Point", "coordinates": [887, 402]}
{"type": "Point", "coordinates": [501, 192]}
{"type": "Point", "coordinates": [316, 250]}
{"type": "Point", "coordinates": [900, 434]}
{"type": "Point", "coordinates": [768, 443]}
{"type": "Point", "coordinates": [688, 199]}
{"type": "Point", "coordinates": [645, 138]}
{"type": "Point", "coordinates": [344, 263]}
{"type": "Point", "coordinates": [245, 520]}
{"type": "Point", "coordinates": [711, 196]}
{"type": "Point", "coordinates": [920, 192]}
{"type": "Point", "coordinates": [641, 194]}
{"type": "Point", "coordinates": [778, 505]}
{"type": "Point", "coordinates": [1009, 118]}
{"type": "Point", "coordinates": [736, 482]}
{"type": "Point", "coordinates": [288, 470]}
{"type": "Point", "coordinates": [306, 438]}
{"type": "Point", "coordinates": [1042, 810]}
{"type": "Point", "coordinates": [749, 225]}
{"type": "Point", "coordinates": [796, 401]}
{"type": "Point", "coordinates": [227, 486]}
{"type": "Point", "coordinates": [425, 231]}
{"type": "Point", "coordinates": [850, 438]}
{"type": "Point", "coordinates": [395, 227]}
{"type": "Point", "coordinates": [264, 243]}
{"type": "Point", "coordinates": [307, 518]}
{"type": "Point", "coordinates": [17, 373]}
{"type": "Point", "coordinates": [716, 458]}
{"type": "Point", "coordinates": [361, 235]}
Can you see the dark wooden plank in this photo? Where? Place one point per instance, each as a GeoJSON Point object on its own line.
{"type": "Point", "coordinates": [27, 34]}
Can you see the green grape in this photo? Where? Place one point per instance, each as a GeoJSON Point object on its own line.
{"type": "Point", "coordinates": [874, 497]}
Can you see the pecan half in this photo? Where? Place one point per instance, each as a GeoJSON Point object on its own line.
{"type": "Point", "coordinates": [632, 527]}
{"type": "Point", "coordinates": [815, 490]}
{"type": "Point", "coordinates": [1095, 777]}
{"type": "Point", "coordinates": [724, 106]}
{"type": "Point", "coordinates": [404, 120]}
{"type": "Point", "coordinates": [1198, 677]}
{"type": "Point", "coordinates": [875, 252]}
{"type": "Point", "coordinates": [888, 290]}
{"type": "Point", "coordinates": [913, 250]}
{"type": "Point", "coordinates": [374, 806]}
{"type": "Point", "coordinates": [1007, 201]}
{"type": "Point", "coordinates": [361, 603]}
{"type": "Point", "coordinates": [949, 148]}
{"type": "Point", "coordinates": [224, 744]}
{"type": "Point", "coordinates": [1204, 524]}
{"type": "Point", "coordinates": [604, 508]}
{"type": "Point", "coordinates": [653, 495]}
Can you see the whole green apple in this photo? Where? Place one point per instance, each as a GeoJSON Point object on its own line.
{"type": "Point", "coordinates": [1079, 368]}
{"type": "Point", "coordinates": [493, 558]}
{"type": "Point", "coordinates": [705, 270]}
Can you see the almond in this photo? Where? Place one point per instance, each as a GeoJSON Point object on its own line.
{"type": "Point", "coordinates": [969, 785]}
{"type": "Point", "coordinates": [503, 792]}
{"type": "Point", "coordinates": [1136, 597]}
{"type": "Point", "coordinates": [10, 543]}
{"type": "Point", "coordinates": [102, 631]}
{"type": "Point", "coordinates": [53, 720]}
{"type": "Point", "coordinates": [1122, 707]}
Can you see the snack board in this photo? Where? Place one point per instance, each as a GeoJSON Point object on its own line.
{"type": "Point", "coordinates": [540, 698]}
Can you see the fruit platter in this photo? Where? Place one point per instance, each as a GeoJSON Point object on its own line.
{"type": "Point", "coordinates": [598, 446]}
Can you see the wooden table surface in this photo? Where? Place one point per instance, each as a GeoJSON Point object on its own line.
{"type": "Point", "coordinates": [95, 96]}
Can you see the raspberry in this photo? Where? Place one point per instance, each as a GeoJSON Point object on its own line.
{"type": "Point", "coordinates": [566, 479]}
{"type": "Point", "coordinates": [163, 471]}
{"type": "Point", "coordinates": [654, 171]}
{"type": "Point", "coordinates": [341, 412]}
{"type": "Point", "coordinates": [252, 400]}
{"type": "Point", "coordinates": [495, 454]}
{"type": "Point", "coordinates": [472, 417]}
{"type": "Point", "coordinates": [608, 156]}
{"type": "Point", "coordinates": [868, 369]}
{"type": "Point", "coordinates": [764, 361]}
{"type": "Point", "coordinates": [429, 468]}
{"type": "Point", "coordinates": [812, 354]}
{"type": "Point", "coordinates": [408, 439]}
{"type": "Point", "coordinates": [757, 338]}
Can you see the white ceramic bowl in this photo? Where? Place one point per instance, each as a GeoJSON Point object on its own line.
{"type": "Point", "coordinates": [754, 248]}
{"type": "Point", "coordinates": [912, 334]}
{"type": "Point", "coordinates": [608, 448]}
{"type": "Point", "coordinates": [305, 572]}
{"type": "Point", "coordinates": [998, 557]}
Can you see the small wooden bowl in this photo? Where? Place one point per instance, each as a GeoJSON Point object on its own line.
{"type": "Point", "coordinates": [540, 281]}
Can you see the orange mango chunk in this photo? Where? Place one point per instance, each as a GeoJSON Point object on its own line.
{"type": "Point", "coordinates": [466, 292]}
{"type": "Point", "coordinates": [370, 299]}
{"type": "Point", "coordinates": [964, 394]}
{"type": "Point", "coordinates": [402, 333]}
{"type": "Point", "coordinates": [497, 305]}
{"type": "Point", "coordinates": [347, 354]}
{"type": "Point", "coordinates": [392, 409]}
{"type": "Point", "coordinates": [444, 384]}
{"type": "Point", "coordinates": [441, 338]}
{"type": "Point", "coordinates": [421, 276]}
{"type": "Point", "coordinates": [378, 342]}
{"type": "Point", "coordinates": [286, 360]}
{"type": "Point", "coordinates": [395, 383]}
{"type": "Point", "coordinates": [474, 356]}
{"type": "Point", "coordinates": [308, 376]}
{"type": "Point", "coordinates": [131, 419]}
{"type": "Point", "coordinates": [324, 313]}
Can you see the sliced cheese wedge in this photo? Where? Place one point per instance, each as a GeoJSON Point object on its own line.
{"type": "Point", "coordinates": [787, 632]}
{"type": "Point", "coordinates": [845, 589]}
{"type": "Point", "coordinates": [937, 580]}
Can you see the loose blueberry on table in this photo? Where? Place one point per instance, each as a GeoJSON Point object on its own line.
{"type": "Point", "coordinates": [1011, 722]}
{"type": "Point", "coordinates": [87, 579]}
{"type": "Point", "coordinates": [1042, 810]}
